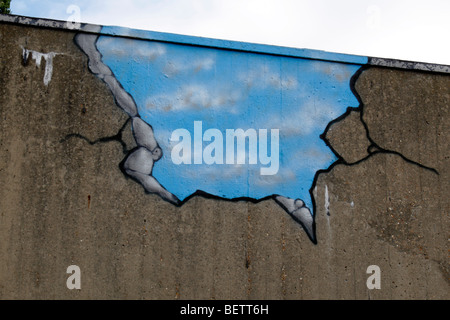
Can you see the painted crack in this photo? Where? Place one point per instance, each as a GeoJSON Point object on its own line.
{"type": "Point", "coordinates": [374, 148]}
{"type": "Point", "coordinates": [118, 137]}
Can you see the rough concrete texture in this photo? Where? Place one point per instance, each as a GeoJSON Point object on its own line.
{"type": "Point", "coordinates": [65, 201]}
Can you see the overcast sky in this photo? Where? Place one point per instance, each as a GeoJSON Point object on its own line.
{"type": "Point", "coordinates": [400, 29]}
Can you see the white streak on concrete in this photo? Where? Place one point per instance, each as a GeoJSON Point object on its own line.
{"type": "Point", "coordinates": [37, 57]}
{"type": "Point", "coordinates": [327, 200]}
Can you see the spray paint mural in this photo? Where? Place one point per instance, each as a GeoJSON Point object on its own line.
{"type": "Point", "coordinates": [223, 122]}
{"type": "Point", "coordinates": [223, 119]}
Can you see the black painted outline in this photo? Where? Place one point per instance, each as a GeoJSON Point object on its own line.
{"type": "Point", "coordinates": [117, 137]}
{"type": "Point", "coordinates": [373, 148]}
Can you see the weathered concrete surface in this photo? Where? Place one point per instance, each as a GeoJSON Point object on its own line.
{"type": "Point", "coordinates": [65, 201]}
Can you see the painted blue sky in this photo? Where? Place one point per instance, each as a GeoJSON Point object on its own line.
{"type": "Point", "coordinates": [410, 30]}
{"type": "Point", "coordinates": [175, 85]}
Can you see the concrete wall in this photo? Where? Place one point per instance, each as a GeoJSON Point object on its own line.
{"type": "Point", "coordinates": [66, 201]}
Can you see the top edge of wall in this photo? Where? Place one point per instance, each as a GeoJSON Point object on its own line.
{"type": "Point", "coordinates": [224, 44]}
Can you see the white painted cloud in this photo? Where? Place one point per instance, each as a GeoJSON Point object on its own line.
{"type": "Point", "coordinates": [174, 67]}
{"type": "Point", "coordinates": [284, 175]}
{"type": "Point", "coordinates": [195, 97]}
{"type": "Point", "coordinates": [227, 172]}
{"type": "Point", "coordinates": [308, 117]}
{"type": "Point", "coordinates": [150, 51]}
{"type": "Point", "coordinates": [263, 77]}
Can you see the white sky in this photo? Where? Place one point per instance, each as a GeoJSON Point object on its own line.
{"type": "Point", "coordinates": [399, 29]}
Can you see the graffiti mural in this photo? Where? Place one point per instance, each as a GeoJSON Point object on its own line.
{"type": "Point", "coordinates": [225, 120]}
{"type": "Point", "coordinates": [224, 123]}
